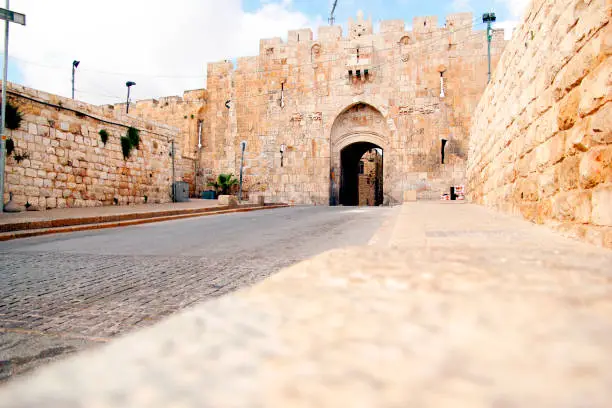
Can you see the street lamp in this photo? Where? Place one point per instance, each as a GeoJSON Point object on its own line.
{"type": "Point", "coordinates": [489, 18]}
{"type": "Point", "coordinates": [9, 17]}
{"type": "Point", "coordinates": [75, 65]}
{"type": "Point", "coordinates": [282, 152]}
{"type": "Point", "coordinates": [128, 84]}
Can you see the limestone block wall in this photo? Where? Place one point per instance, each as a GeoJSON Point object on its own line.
{"type": "Point", "coordinates": [541, 143]}
{"type": "Point", "coordinates": [372, 166]}
{"type": "Point", "coordinates": [187, 113]}
{"type": "Point", "coordinates": [65, 163]}
{"type": "Point", "coordinates": [306, 93]}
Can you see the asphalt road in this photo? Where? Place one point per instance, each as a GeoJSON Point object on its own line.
{"type": "Point", "coordinates": [62, 293]}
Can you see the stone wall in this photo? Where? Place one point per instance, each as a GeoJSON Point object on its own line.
{"type": "Point", "coordinates": [65, 164]}
{"type": "Point", "coordinates": [187, 113]}
{"type": "Point", "coordinates": [318, 96]}
{"type": "Point", "coordinates": [541, 144]}
{"type": "Point", "coordinates": [372, 168]}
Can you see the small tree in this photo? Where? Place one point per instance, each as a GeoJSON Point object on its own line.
{"type": "Point", "coordinates": [224, 182]}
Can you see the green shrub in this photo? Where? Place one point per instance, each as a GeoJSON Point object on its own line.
{"type": "Point", "coordinates": [224, 182]}
{"type": "Point", "coordinates": [103, 136]}
{"type": "Point", "coordinates": [133, 135]}
{"type": "Point", "coordinates": [126, 147]}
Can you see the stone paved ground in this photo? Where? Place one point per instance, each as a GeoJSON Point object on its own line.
{"type": "Point", "coordinates": [81, 289]}
{"type": "Point", "coordinates": [457, 307]}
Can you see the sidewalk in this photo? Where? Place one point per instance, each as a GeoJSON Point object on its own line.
{"type": "Point", "coordinates": [86, 212]}
{"type": "Point", "coordinates": [456, 306]}
{"type": "Point", "coordinates": [33, 223]}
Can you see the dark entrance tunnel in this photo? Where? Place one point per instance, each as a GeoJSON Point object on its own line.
{"type": "Point", "coordinates": [350, 158]}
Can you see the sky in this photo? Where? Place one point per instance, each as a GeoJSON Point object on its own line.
{"type": "Point", "coordinates": [164, 46]}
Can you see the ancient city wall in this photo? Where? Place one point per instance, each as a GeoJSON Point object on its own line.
{"type": "Point", "coordinates": [186, 113]}
{"type": "Point", "coordinates": [541, 144]}
{"type": "Point", "coordinates": [60, 160]}
{"type": "Point", "coordinates": [317, 96]}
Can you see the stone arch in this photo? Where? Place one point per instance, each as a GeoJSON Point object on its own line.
{"type": "Point", "coordinates": [405, 40]}
{"type": "Point", "coordinates": [359, 125]}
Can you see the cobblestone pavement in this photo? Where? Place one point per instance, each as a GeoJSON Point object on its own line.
{"type": "Point", "coordinates": [458, 307]}
{"type": "Point", "coordinates": [59, 294]}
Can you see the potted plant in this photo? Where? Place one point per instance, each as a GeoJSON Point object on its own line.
{"type": "Point", "coordinates": [225, 182]}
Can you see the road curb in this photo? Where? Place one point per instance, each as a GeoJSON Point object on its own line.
{"type": "Point", "coordinates": [8, 236]}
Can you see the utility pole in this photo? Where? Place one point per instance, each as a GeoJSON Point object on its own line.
{"type": "Point", "coordinates": [173, 175]}
{"type": "Point", "coordinates": [242, 147]}
{"type": "Point", "coordinates": [75, 64]}
{"type": "Point", "coordinates": [489, 18]}
{"type": "Point", "coordinates": [8, 17]}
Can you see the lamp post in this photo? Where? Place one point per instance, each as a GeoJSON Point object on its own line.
{"type": "Point", "coordinates": [129, 84]}
{"type": "Point", "coordinates": [9, 17]}
{"type": "Point", "coordinates": [172, 153]}
{"type": "Point", "coordinates": [242, 147]}
{"type": "Point", "coordinates": [75, 65]}
{"type": "Point", "coordinates": [489, 18]}
{"type": "Point", "coordinates": [282, 152]}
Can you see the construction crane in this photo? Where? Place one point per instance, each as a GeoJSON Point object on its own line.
{"type": "Point", "coordinates": [331, 18]}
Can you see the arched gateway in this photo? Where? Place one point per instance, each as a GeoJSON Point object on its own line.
{"type": "Point", "coordinates": [358, 129]}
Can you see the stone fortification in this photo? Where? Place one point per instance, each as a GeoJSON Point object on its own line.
{"type": "Point", "coordinates": [399, 90]}
{"type": "Point", "coordinates": [60, 160]}
{"type": "Point", "coordinates": [185, 113]}
{"type": "Point", "coordinates": [541, 144]}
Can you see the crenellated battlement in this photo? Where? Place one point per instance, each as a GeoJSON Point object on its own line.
{"type": "Point", "coordinates": [460, 27]}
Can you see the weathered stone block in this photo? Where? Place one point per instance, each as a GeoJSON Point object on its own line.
{"type": "Point", "coordinates": [572, 206]}
{"type": "Point", "coordinates": [602, 205]}
{"type": "Point", "coordinates": [568, 112]}
{"type": "Point", "coordinates": [600, 125]}
{"type": "Point", "coordinates": [569, 172]}
{"type": "Point", "coordinates": [51, 202]}
{"type": "Point", "coordinates": [596, 167]}
{"type": "Point", "coordinates": [229, 200]}
{"type": "Point", "coordinates": [31, 191]}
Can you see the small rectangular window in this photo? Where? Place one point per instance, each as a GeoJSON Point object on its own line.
{"type": "Point", "coordinates": [361, 167]}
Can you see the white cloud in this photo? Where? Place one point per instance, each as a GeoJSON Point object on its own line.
{"type": "Point", "coordinates": [508, 27]}
{"type": "Point", "coordinates": [137, 40]}
{"type": "Point", "coordinates": [516, 7]}
{"type": "Point", "coordinates": [516, 10]}
{"type": "Point", "coordinates": [461, 5]}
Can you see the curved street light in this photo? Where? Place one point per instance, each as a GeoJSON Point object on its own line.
{"type": "Point", "coordinates": [129, 84]}
{"type": "Point", "coordinates": [75, 65]}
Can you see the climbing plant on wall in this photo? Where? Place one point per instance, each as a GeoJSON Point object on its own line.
{"type": "Point", "coordinates": [134, 135]}
{"type": "Point", "coordinates": [103, 136]}
{"type": "Point", "coordinates": [13, 116]}
{"type": "Point", "coordinates": [130, 141]}
{"type": "Point", "coordinates": [126, 147]}
{"type": "Point", "coordinates": [13, 121]}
